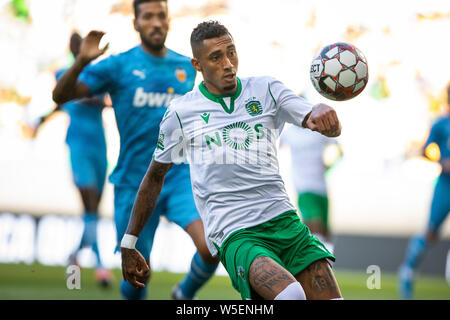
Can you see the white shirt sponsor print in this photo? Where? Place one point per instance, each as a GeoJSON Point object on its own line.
{"type": "Point", "coordinates": [152, 99]}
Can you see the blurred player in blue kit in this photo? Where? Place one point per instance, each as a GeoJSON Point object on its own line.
{"type": "Point", "coordinates": [141, 82]}
{"type": "Point", "coordinates": [87, 145]}
{"type": "Point", "coordinates": [440, 205]}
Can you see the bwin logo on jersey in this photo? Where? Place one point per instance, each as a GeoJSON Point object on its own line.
{"type": "Point", "coordinates": [152, 99]}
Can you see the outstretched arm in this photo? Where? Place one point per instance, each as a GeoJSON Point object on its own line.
{"type": "Point", "coordinates": [67, 87]}
{"type": "Point", "coordinates": [134, 266]}
{"type": "Point", "coordinates": [324, 120]}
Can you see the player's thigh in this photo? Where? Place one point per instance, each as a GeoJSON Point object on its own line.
{"type": "Point", "coordinates": [244, 250]}
{"type": "Point", "coordinates": [101, 167]}
{"type": "Point", "coordinates": [195, 229]}
{"type": "Point", "coordinates": [268, 278]}
{"type": "Point", "coordinates": [83, 171]}
{"type": "Point", "coordinates": [318, 281]}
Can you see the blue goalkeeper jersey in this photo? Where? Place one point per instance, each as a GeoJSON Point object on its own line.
{"type": "Point", "coordinates": [141, 87]}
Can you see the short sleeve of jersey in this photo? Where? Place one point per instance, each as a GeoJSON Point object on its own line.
{"type": "Point", "coordinates": [170, 146]}
{"type": "Point", "coordinates": [290, 107]}
{"type": "Point", "coordinates": [99, 76]}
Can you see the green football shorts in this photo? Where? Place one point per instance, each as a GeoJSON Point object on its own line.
{"type": "Point", "coordinates": [285, 239]}
{"type": "Point", "coordinates": [313, 207]}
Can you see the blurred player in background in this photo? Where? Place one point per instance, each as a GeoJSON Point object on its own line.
{"type": "Point", "coordinates": [440, 204]}
{"type": "Point", "coordinates": [249, 220]}
{"type": "Point", "coordinates": [87, 145]}
{"type": "Point", "coordinates": [308, 170]}
{"type": "Point", "coordinates": [141, 82]}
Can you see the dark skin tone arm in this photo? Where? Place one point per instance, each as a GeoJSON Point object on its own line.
{"type": "Point", "coordinates": [323, 119]}
{"type": "Point", "coordinates": [68, 87]}
{"type": "Point", "coordinates": [134, 267]}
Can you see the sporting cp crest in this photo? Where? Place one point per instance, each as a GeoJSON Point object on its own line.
{"type": "Point", "coordinates": [253, 107]}
{"type": "Point", "coordinates": [241, 273]}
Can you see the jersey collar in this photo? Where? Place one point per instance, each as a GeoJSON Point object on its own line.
{"type": "Point", "coordinates": [219, 97]}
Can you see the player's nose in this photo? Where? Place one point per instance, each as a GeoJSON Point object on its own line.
{"type": "Point", "coordinates": [227, 64]}
{"type": "Point", "coordinates": [156, 23]}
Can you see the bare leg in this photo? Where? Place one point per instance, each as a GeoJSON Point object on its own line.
{"type": "Point", "coordinates": [267, 278]}
{"type": "Point", "coordinates": [90, 198]}
{"type": "Point", "coordinates": [196, 232]}
{"type": "Point", "coordinates": [319, 282]}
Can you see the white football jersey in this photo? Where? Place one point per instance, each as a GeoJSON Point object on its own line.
{"type": "Point", "coordinates": [230, 144]}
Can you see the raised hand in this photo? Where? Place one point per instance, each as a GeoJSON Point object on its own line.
{"type": "Point", "coordinates": [89, 49]}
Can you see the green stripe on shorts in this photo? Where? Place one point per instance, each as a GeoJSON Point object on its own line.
{"type": "Point", "coordinates": [285, 239]}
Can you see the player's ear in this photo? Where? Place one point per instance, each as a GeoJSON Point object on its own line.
{"type": "Point", "coordinates": [196, 64]}
{"type": "Point", "coordinates": [135, 25]}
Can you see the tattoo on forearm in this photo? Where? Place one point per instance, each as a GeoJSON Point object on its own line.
{"type": "Point", "coordinates": [147, 197]}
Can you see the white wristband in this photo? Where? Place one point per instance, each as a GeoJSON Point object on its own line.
{"type": "Point", "coordinates": [128, 241]}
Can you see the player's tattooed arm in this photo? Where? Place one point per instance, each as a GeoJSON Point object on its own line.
{"type": "Point", "coordinates": [135, 268]}
{"type": "Point", "coordinates": [147, 196]}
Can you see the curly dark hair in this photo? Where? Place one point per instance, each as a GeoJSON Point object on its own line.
{"type": "Point", "coordinates": [207, 30]}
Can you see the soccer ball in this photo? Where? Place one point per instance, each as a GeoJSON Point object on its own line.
{"type": "Point", "coordinates": [339, 71]}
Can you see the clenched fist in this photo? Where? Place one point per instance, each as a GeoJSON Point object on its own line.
{"type": "Point", "coordinates": [324, 120]}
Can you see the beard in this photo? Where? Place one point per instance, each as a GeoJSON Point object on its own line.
{"type": "Point", "coordinates": [154, 46]}
{"type": "Point", "coordinates": [230, 87]}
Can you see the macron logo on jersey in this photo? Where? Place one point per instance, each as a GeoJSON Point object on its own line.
{"type": "Point", "coordinates": [152, 99]}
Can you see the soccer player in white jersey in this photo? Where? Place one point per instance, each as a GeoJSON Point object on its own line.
{"type": "Point", "coordinates": [228, 127]}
